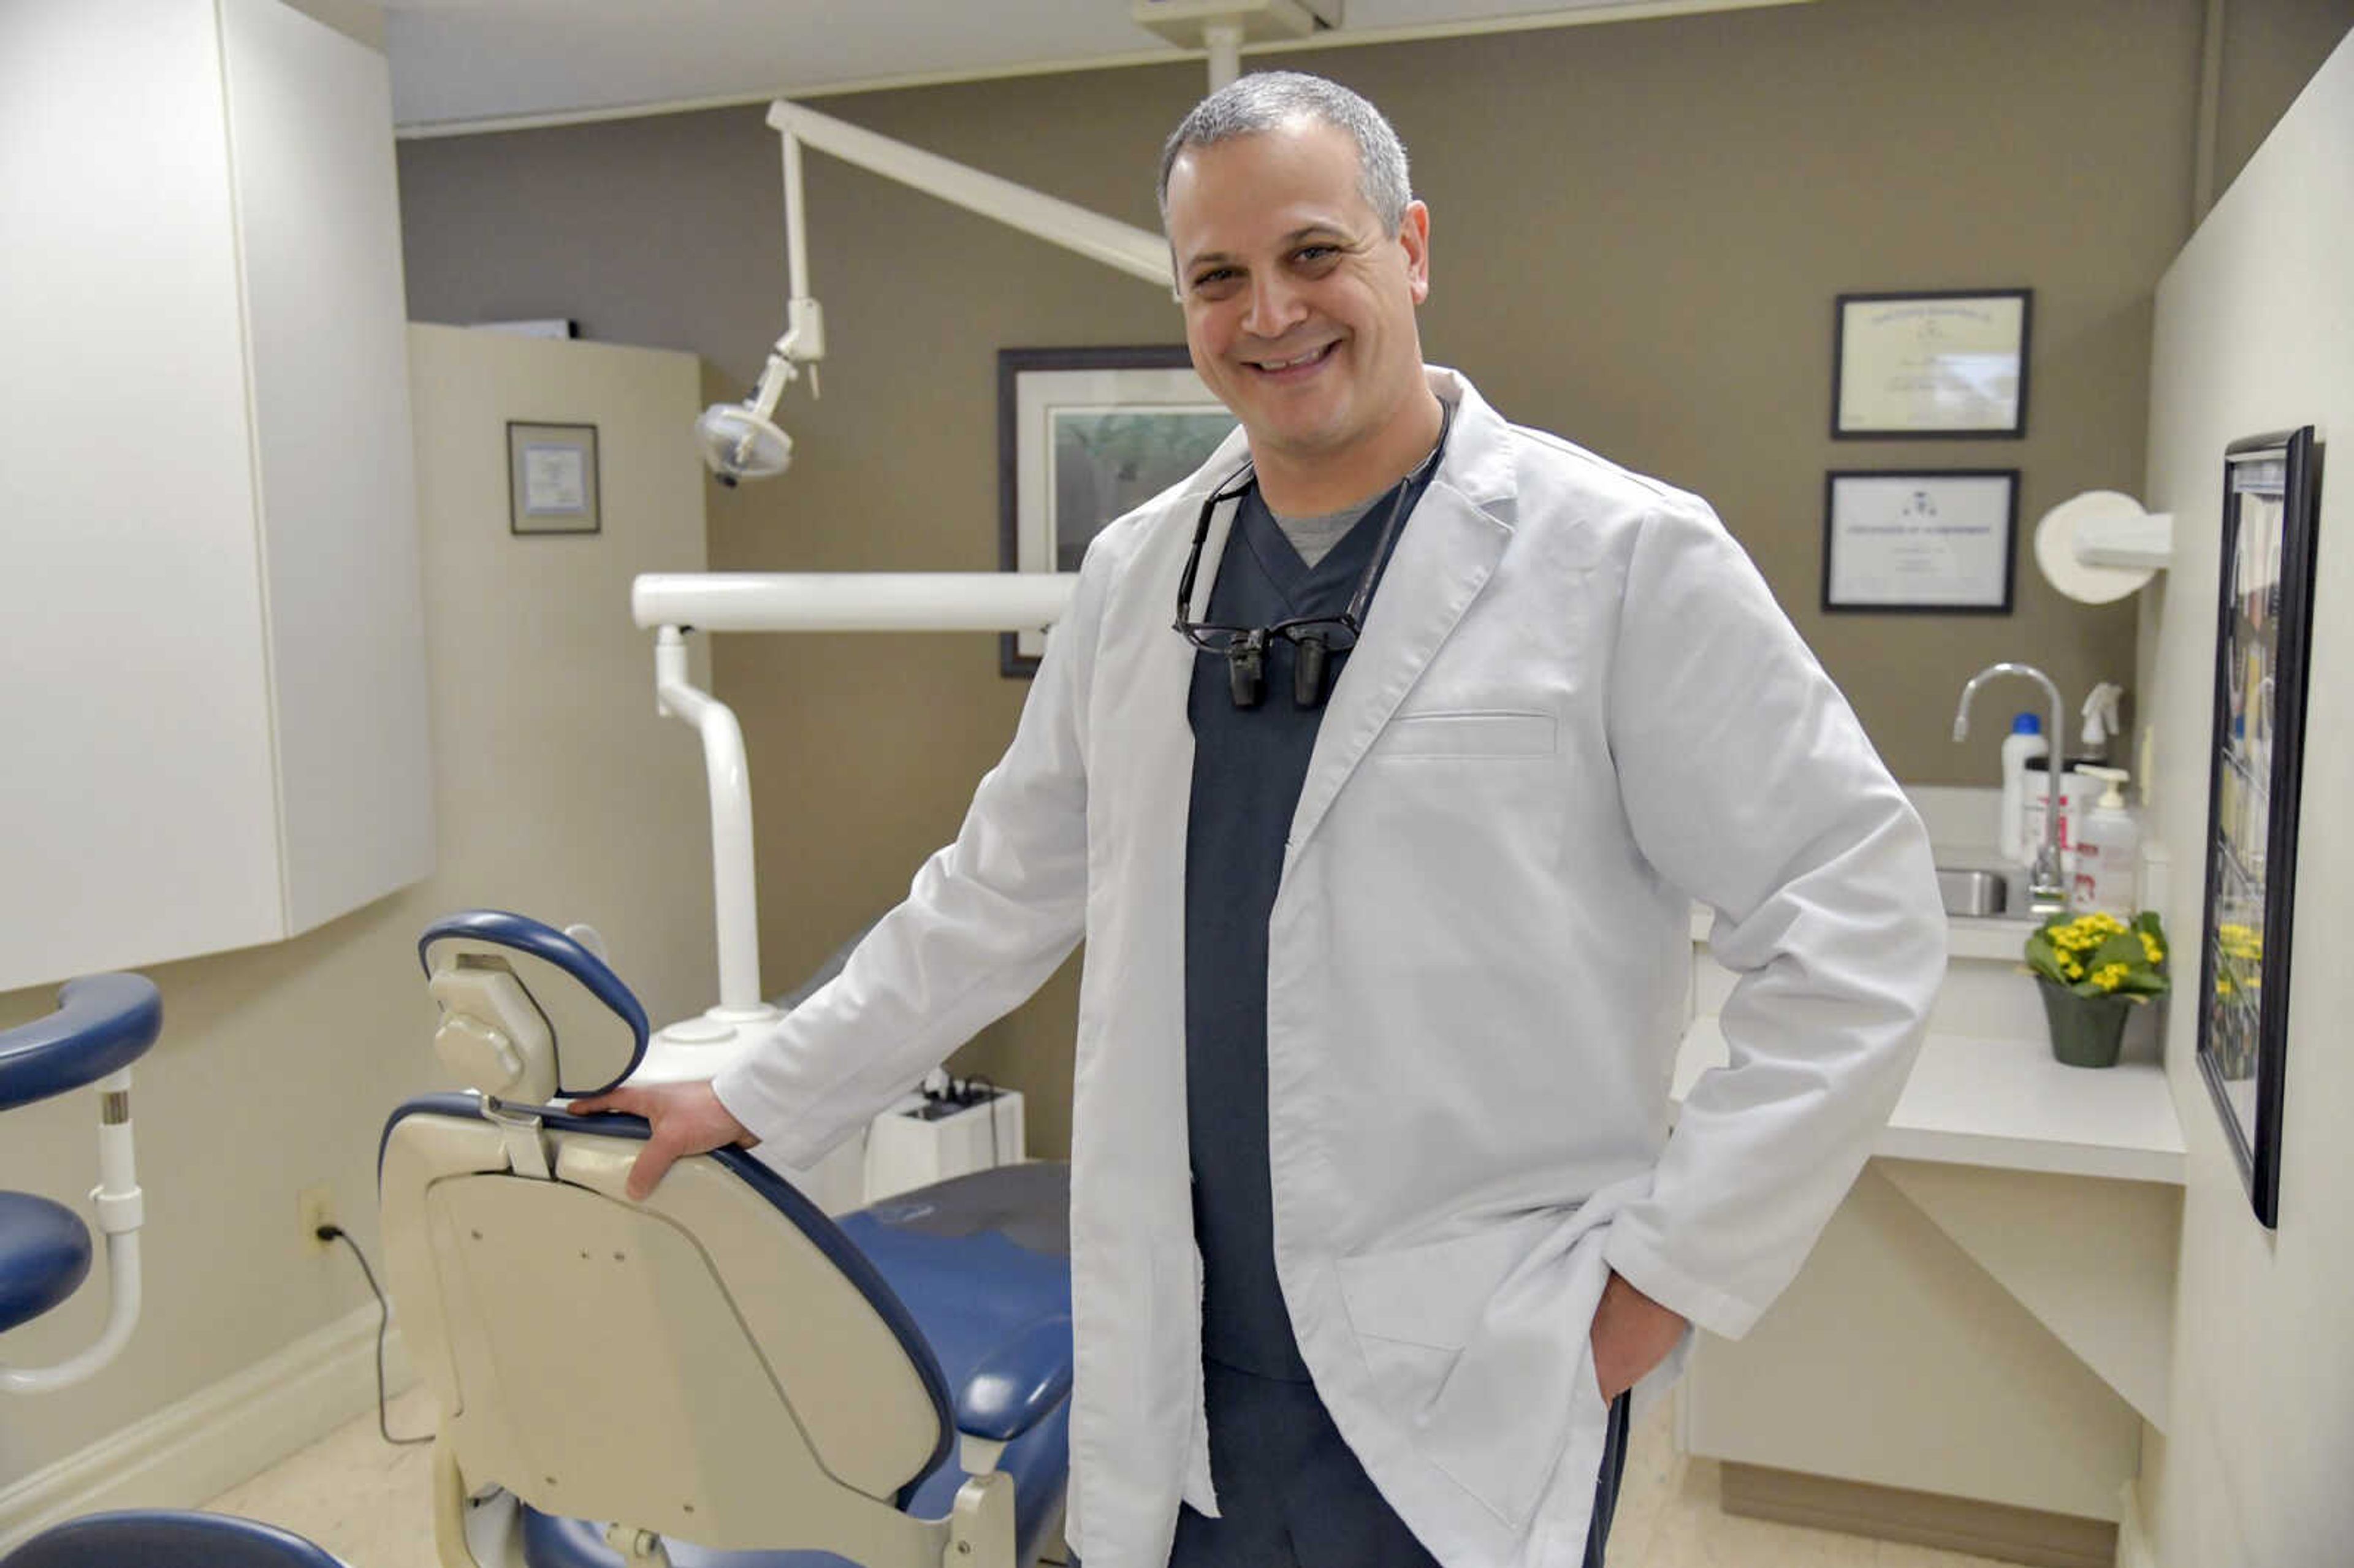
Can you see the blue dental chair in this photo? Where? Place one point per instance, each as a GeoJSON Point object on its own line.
{"type": "Point", "coordinates": [720, 1376]}
{"type": "Point", "coordinates": [102, 1024]}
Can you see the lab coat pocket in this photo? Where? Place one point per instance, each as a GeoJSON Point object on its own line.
{"type": "Point", "coordinates": [1466, 735]}
{"type": "Point", "coordinates": [1480, 1347]}
{"type": "Point", "coordinates": [1429, 1298]}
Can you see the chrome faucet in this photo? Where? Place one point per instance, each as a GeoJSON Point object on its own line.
{"type": "Point", "coordinates": [2047, 887]}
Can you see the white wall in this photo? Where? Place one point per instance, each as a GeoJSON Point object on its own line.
{"type": "Point", "coordinates": [557, 792]}
{"type": "Point", "coordinates": [2255, 333]}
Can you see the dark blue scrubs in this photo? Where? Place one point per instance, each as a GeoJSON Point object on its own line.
{"type": "Point", "coordinates": [1290, 1492]}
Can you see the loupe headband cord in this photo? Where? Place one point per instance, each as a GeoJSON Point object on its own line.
{"type": "Point", "coordinates": [1355, 613]}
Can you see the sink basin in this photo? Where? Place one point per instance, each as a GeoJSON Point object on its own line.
{"type": "Point", "coordinates": [1970, 892]}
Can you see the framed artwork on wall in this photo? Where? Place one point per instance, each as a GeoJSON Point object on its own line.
{"type": "Point", "coordinates": [1927, 542]}
{"type": "Point", "coordinates": [2263, 634]}
{"type": "Point", "coordinates": [1948, 364]}
{"type": "Point", "coordinates": [1085, 435]}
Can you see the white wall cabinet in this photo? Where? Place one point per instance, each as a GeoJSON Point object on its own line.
{"type": "Point", "coordinates": [213, 690]}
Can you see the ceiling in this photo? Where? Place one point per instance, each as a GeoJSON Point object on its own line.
{"type": "Point", "coordinates": [457, 64]}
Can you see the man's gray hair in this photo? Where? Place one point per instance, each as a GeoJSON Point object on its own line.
{"type": "Point", "coordinates": [1265, 101]}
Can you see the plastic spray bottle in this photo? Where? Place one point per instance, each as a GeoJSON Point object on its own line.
{"type": "Point", "coordinates": [2100, 719]}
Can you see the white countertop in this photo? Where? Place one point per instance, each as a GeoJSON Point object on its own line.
{"type": "Point", "coordinates": [2005, 1104]}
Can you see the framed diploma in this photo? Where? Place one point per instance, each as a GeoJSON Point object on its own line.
{"type": "Point", "coordinates": [1934, 366]}
{"type": "Point", "coordinates": [2262, 645]}
{"type": "Point", "coordinates": [1936, 543]}
{"type": "Point", "coordinates": [552, 479]}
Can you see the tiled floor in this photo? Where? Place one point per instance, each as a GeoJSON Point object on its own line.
{"type": "Point", "coordinates": [366, 1503]}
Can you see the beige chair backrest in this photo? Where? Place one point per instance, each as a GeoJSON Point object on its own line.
{"type": "Point", "coordinates": [704, 1366]}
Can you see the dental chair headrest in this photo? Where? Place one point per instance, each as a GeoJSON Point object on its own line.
{"type": "Point", "coordinates": [529, 1013]}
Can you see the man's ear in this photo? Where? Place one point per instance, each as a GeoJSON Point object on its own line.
{"type": "Point", "coordinates": [1414, 233]}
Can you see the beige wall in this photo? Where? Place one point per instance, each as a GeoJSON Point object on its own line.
{"type": "Point", "coordinates": [1639, 231]}
{"type": "Point", "coordinates": [557, 792]}
{"type": "Point", "coordinates": [2255, 333]}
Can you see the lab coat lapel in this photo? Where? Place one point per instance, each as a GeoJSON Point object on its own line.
{"type": "Point", "coordinates": [1444, 555]}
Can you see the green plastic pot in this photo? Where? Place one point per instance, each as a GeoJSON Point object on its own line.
{"type": "Point", "coordinates": [2086, 1031]}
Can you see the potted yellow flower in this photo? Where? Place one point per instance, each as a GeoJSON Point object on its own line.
{"type": "Point", "coordinates": [2092, 969]}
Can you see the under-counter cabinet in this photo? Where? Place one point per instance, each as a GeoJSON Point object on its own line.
{"type": "Point", "coordinates": [1968, 1356]}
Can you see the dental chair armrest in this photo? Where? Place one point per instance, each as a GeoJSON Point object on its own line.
{"type": "Point", "coordinates": [1015, 1385]}
{"type": "Point", "coordinates": [104, 1023]}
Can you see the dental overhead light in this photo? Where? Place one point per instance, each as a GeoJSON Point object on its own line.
{"type": "Point", "coordinates": [742, 440]}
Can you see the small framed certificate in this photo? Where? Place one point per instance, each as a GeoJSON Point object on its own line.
{"type": "Point", "coordinates": [1931, 366]}
{"type": "Point", "coordinates": [1938, 543]}
{"type": "Point", "coordinates": [552, 479]}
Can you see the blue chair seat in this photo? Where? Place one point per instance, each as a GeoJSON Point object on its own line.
{"type": "Point", "coordinates": [982, 1263]}
{"type": "Point", "coordinates": [161, 1538]}
{"type": "Point", "coordinates": [44, 1257]}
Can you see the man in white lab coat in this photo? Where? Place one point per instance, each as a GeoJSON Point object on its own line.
{"type": "Point", "coordinates": [1384, 838]}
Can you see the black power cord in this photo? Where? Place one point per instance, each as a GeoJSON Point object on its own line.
{"type": "Point", "coordinates": [983, 1089]}
{"type": "Point", "coordinates": [383, 1322]}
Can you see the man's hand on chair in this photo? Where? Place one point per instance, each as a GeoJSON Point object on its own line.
{"type": "Point", "coordinates": [686, 1119]}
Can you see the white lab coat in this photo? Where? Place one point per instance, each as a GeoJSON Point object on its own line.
{"type": "Point", "coordinates": [1575, 708]}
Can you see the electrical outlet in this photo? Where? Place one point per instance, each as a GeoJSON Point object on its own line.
{"type": "Point", "coordinates": [317, 1205]}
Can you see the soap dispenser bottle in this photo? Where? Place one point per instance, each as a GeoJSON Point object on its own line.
{"type": "Point", "coordinates": [2025, 740]}
{"type": "Point", "coordinates": [2108, 841]}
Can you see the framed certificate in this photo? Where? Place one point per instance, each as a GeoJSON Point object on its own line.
{"type": "Point", "coordinates": [1914, 366]}
{"type": "Point", "coordinates": [1940, 543]}
{"type": "Point", "coordinates": [552, 479]}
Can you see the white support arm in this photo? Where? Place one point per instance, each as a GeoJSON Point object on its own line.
{"type": "Point", "coordinates": [1115, 244]}
{"type": "Point", "coordinates": [122, 1317]}
{"type": "Point", "coordinates": [739, 909]}
{"type": "Point", "coordinates": [851, 601]}
{"type": "Point", "coordinates": [670, 603]}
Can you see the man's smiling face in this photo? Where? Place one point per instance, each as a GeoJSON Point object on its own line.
{"type": "Point", "coordinates": [1299, 306]}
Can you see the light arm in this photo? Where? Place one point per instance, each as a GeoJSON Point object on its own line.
{"type": "Point", "coordinates": [741, 440]}
{"type": "Point", "coordinates": [1117, 245]}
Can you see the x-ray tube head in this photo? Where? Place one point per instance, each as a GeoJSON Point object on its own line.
{"type": "Point", "coordinates": [739, 442]}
